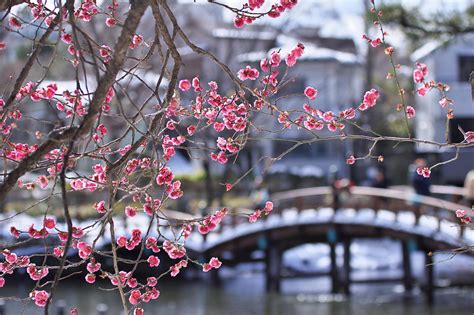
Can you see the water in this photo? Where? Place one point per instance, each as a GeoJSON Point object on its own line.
{"type": "Point", "coordinates": [246, 295]}
{"type": "Point", "coordinates": [242, 290]}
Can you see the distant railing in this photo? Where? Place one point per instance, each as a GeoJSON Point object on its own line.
{"type": "Point", "coordinates": [438, 190]}
{"type": "Point", "coordinates": [394, 200]}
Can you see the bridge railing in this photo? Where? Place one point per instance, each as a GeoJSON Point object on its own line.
{"type": "Point", "coordinates": [357, 197]}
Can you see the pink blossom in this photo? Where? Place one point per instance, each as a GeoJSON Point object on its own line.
{"type": "Point", "coordinates": [10, 257]}
{"type": "Point", "coordinates": [151, 281]}
{"type": "Point", "coordinates": [196, 84]}
{"type": "Point", "coordinates": [290, 60]}
{"type": "Point", "coordinates": [173, 251]}
{"type": "Point", "coordinates": [135, 295]}
{"type": "Point", "coordinates": [268, 207]}
{"type": "Point", "coordinates": [177, 267]}
{"type": "Point", "coordinates": [376, 42]}
{"type": "Point", "coordinates": [66, 38]}
{"type": "Point", "coordinates": [36, 273]}
{"type": "Point", "coordinates": [138, 311]}
{"type": "Point", "coordinates": [351, 160]}
{"type": "Point", "coordinates": [110, 22]}
{"type": "Point", "coordinates": [444, 102]}
{"type": "Point", "coordinates": [239, 22]}
{"type": "Point", "coordinates": [248, 73]}
{"type": "Point", "coordinates": [14, 232]}
{"type": "Point", "coordinates": [264, 65]}
{"type": "Point", "coordinates": [410, 112]}
{"type": "Point", "coordinates": [254, 216]}
{"type": "Point", "coordinates": [462, 215]}
{"type": "Point", "coordinates": [93, 266]}
{"type": "Point", "coordinates": [218, 126]}
{"type": "Point", "coordinates": [423, 171]}
{"type": "Point", "coordinates": [422, 91]}
{"type": "Point", "coordinates": [371, 97]}
{"type": "Point", "coordinates": [42, 181]}
{"type": "Point", "coordinates": [420, 73]}
{"type": "Point", "coordinates": [469, 136]}
{"type": "Point", "coordinates": [49, 223]}
{"type": "Point", "coordinates": [165, 176]}
{"type": "Point", "coordinates": [121, 241]}
{"type": "Point", "coordinates": [213, 263]}
{"type": "Point", "coordinates": [184, 85]}
{"type": "Point", "coordinates": [191, 130]}
{"type": "Point", "coordinates": [153, 261]}
{"type": "Point", "coordinates": [14, 22]}
{"type": "Point", "coordinates": [40, 297]}
{"type": "Point", "coordinates": [275, 59]}
{"type": "Point", "coordinates": [310, 93]}
{"type": "Point", "coordinates": [130, 211]}
{"type": "Point", "coordinates": [90, 278]}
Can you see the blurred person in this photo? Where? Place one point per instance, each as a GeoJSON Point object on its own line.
{"type": "Point", "coordinates": [469, 188]}
{"type": "Point", "coordinates": [421, 185]}
{"type": "Point", "coordinates": [260, 193]}
{"type": "Point", "coordinates": [380, 181]}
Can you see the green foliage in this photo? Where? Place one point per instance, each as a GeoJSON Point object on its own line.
{"type": "Point", "coordinates": [418, 25]}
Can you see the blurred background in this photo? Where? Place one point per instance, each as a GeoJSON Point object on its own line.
{"type": "Point", "coordinates": [312, 276]}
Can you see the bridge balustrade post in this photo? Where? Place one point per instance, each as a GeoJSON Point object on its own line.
{"type": "Point", "coordinates": [417, 211]}
{"type": "Point", "coordinates": [273, 268]}
{"type": "Point", "coordinates": [234, 220]}
{"type": "Point", "coordinates": [61, 307]}
{"type": "Point", "coordinates": [102, 309]}
{"type": "Point", "coordinates": [407, 274]}
{"type": "Point", "coordinates": [347, 266]}
{"type": "Point", "coordinates": [299, 203]}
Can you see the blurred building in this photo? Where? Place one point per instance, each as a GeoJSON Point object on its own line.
{"type": "Point", "coordinates": [449, 61]}
{"type": "Point", "coordinates": [331, 64]}
{"type": "Point", "coordinates": [333, 67]}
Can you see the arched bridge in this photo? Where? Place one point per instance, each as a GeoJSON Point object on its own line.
{"type": "Point", "coordinates": [304, 216]}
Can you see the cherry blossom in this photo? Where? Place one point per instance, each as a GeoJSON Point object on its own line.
{"type": "Point", "coordinates": [351, 160]}
{"type": "Point", "coordinates": [462, 215]}
{"type": "Point", "coordinates": [40, 297]}
{"type": "Point", "coordinates": [248, 73]}
{"type": "Point", "coordinates": [214, 263]}
{"type": "Point", "coordinates": [310, 93]}
{"type": "Point", "coordinates": [410, 112]}
{"type": "Point", "coordinates": [184, 85]}
{"type": "Point", "coordinates": [423, 171]}
{"type": "Point", "coordinates": [153, 261]}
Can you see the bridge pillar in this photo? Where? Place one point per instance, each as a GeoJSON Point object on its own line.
{"type": "Point", "coordinates": [407, 275]}
{"type": "Point", "coordinates": [273, 268]}
{"type": "Point", "coordinates": [334, 270]}
{"type": "Point", "coordinates": [347, 266]}
{"type": "Point", "coordinates": [332, 238]}
{"type": "Point", "coordinates": [429, 269]}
